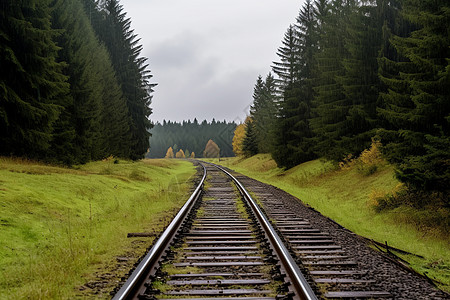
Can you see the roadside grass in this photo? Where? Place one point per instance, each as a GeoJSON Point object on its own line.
{"type": "Point", "coordinates": [58, 226]}
{"type": "Point", "coordinates": [344, 195]}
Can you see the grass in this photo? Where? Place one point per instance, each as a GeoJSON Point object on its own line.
{"type": "Point", "coordinates": [344, 196]}
{"type": "Point", "coordinates": [59, 226]}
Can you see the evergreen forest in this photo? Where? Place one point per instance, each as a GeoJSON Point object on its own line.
{"type": "Point", "coordinates": [73, 84]}
{"type": "Point", "coordinates": [191, 136]}
{"type": "Point", "coordinates": [351, 74]}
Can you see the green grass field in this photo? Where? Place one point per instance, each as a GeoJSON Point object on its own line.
{"type": "Point", "coordinates": [345, 196]}
{"type": "Point", "coordinates": [59, 226]}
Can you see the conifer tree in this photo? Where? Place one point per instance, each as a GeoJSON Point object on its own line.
{"type": "Point", "coordinates": [308, 46]}
{"type": "Point", "coordinates": [191, 135]}
{"type": "Point", "coordinates": [287, 71]}
{"type": "Point", "coordinates": [131, 70]}
{"type": "Point", "coordinates": [416, 104]}
{"type": "Point", "coordinates": [97, 114]}
{"type": "Point", "coordinates": [250, 144]}
{"type": "Point", "coordinates": [263, 112]}
{"type": "Point", "coordinates": [360, 82]}
{"type": "Point", "coordinates": [31, 80]}
{"type": "Point", "coordinates": [292, 130]}
{"type": "Point", "coordinates": [331, 104]}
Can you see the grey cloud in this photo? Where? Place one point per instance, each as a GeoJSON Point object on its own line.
{"type": "Point", "coordinates": [181, 50]}
{"type": "Point", "coordinates": [206, 55]}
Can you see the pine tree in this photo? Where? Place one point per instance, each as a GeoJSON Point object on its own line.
{"type": "Point", "coordinates": [308, 47]}
{"type": "Point", "coordinates": [31, 80]}
{"type": "Point", "coordinates": [97, 114]}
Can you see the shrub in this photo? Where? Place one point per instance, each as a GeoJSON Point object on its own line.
{"type": "Point", "coordinates": [348, 162]}
{"type": "Point", "coordinates": [404, 195]}
{"type": "Point", "coordinates": [382, 201]}
{"type": "Point", "coordinates": [370, 159]}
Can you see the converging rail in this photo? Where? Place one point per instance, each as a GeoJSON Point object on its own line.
{"type": "Point", "coordinates": [219, 246]}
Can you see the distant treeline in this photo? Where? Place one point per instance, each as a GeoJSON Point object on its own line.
{"type": "Point", "coordinates": [191, 137]}
{"type": "Point", "coordinates": [73, 84]}
{"type": "Point", "coordinates": [350, 72]}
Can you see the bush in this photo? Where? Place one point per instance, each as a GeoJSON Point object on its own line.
{"type": "Point", "coordinates": [405, 195]}
{"type": "Point", "coordinates": [370, 159]}
{"type": "Point", "coordinates": [381, 201]}
{"type": "Point", "coordinates": [368, 162]}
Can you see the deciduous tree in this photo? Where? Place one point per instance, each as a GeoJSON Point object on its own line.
{"type": "Point", "coordinates": [180, 154]}
{"type": "Point", "coordinates": [211, 150]}
{"type": "Point", "coordinates": [169, 153]}
{"type": "Point", "coordinates": [238, 140]}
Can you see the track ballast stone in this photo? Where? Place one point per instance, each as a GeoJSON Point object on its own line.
{"type": "Point", "coordinates": [380, 274]}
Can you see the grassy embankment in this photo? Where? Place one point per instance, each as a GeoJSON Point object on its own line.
{"type": "Point", "coordinates": [61, 226]}
{"type": "Point", "coordinates": [346, 196]}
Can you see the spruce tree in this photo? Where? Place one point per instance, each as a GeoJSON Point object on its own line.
{"type": "Point", "coordinates": [268, 115]}
{"type": "Point", "coordinates": [287, 71]}
{"type": "Point", "coordinates": [293, 144]}
{"type": "Point", "coordinates": [31, 79]}
{"type": "Point", "coordinates": [81, 115]}
{"type": "Point", "coordinates": [250, 144]}
{"type": "Point", "coordinates": [416, 104]}
{"type": "Point", "coordinates": [331, 105]}
{"type": "Point", "coordinates": [360, 82]}
{"type": "Point", "coordinates": [263, 112]}
{"type": "Point", "coordinates": [98, 114]}
{"type": "Point", "coordinates": [131, 70]}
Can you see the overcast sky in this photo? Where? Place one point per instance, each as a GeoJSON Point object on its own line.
{"type": "Point", "coordinates": [205, 55]}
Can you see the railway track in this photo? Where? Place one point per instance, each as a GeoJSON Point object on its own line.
{"type": "Point", "coordinates": [225, 245]}
{"type": "Point", "coordinates": [219, 246]}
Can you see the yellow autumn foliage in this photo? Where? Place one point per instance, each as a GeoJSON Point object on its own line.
{"type": "Point", "coordinates": [180, 154]}
{"type": "Point", "coordinates": [238, 139]}
{"type": "Point", "coordinates": [211, 150]}
{"type": "Point", "coordinates": [169, 153]}
{"type": "Point", "coordinates": [368, 161]}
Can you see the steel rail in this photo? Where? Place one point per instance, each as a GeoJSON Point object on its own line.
{"type": "Point", "coordinates": [302, 288]}
{"type": "Point", "coordinates": [157, 250]}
